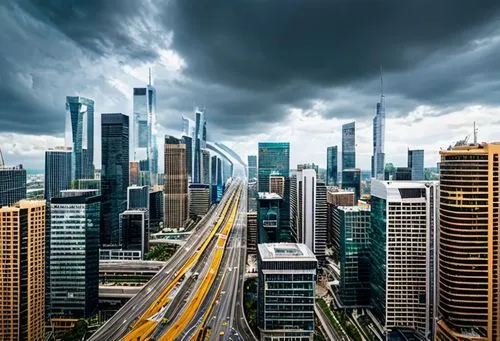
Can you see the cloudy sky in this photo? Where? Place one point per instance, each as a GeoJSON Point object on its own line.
{"type": "Point", "coordinates": [280, 70]}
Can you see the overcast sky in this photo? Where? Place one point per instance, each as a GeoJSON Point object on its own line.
{"type": "Point", "coordinates": [276, 70]}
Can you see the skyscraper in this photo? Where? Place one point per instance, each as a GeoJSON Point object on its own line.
{"type": "Point", "coordinates": [378, 158]}
{"type": "Point", "coordinates": [134, 228]}
{"type": "Point", "coordinates": [351, 181]}
{"type": "Point", "coordinates": [416, 164]}
{"type": "Point", "coordinates": [252, 167]}
{"type": "Point", "coordinates": [176, 183]}
{"type": "Point", "coordinates": [143, 137]}
{"type": "Point", "coordinates": [74, 254]}
{"type": "Point", "coordinates": [22, 283]}
{"type": "Point", "coordinates": [114, 174]}
{"type": "Point", "coordinates": [349, 145]}
{"type": "Point", "coordinates": [57, 171]}
{"type": "Point", "coordinates": [286, 290]}
{"type": "Point", "coordinates": [306, 207]}
{"type": "Point", "coordinates": [331, 166]}
{"type": "Point", "coordinates": [199, 142]}
{"type": "Point", "coordinates": [205, 167]}
{"type": "Point", "coordinates": [156, 209]}
{"type": "Point", "coordinates": [468, 243]}
{"type": "Point", "coordinates": [401, 237]}
{"type": "Point", "coordinates": [12, 185]}
{"type": "Point", "coordinates": [320, 231]}
{"type": "Point", "coordinates": [199, 199]}
{"type": "Point", "coordinates": [188, 136]}
{"type": "Point", "coordinates": [80, 136]}
{"type": "Point", "coordinates": [137, 197]}
{"type": "Point", "coordinates": [268, 217]}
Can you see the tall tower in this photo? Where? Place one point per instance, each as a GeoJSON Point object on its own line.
{"type": "Point", "coordinates": [468, 241]}
{"type": "Point", "coordinates": [176, 183]}
{"type": "Point", "coordinates": [57, 171]}
{"type": "Point", "coordinates": [378, 158]}
{"type": "Point", "coordinates": [114, 175]}
{"type": "Point", "coordinates": [79, 135]}
{"type": "Point", "coordinates": [199, 142]}
{"type": "Point", "coordinates": [331, 166]}
{"type": "Point", "coordinates": [349, 145]}
{"type": "Point", "coordinates": [144, 143]}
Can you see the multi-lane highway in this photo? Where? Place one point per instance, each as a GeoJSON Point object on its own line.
{"type": "Point", "coordinates": [139, 311]}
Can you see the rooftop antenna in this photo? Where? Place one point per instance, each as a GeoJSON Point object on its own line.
{"type": "Point", "coordinates": [150, 77]}
{"type": "Point", "coordinates": [475, 133]}
{"type": "Point", "coordinates": [2, 162]}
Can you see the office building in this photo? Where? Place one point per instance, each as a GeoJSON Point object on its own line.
{"type": "Point", "coordinates": [74, 254]}
{"type": "Point", "coordinates": [321, 220]}
{"type": "Point", "coordinates": [22, 281]}
{"type": "Point", "coordinates": [12, 185]}
{"type": "Point", "coordinates": [306, 207]}
{"type": "Point", "coordinates": [378, 157]}
{"type": "Point", "coordinates": [114, 174]}
{"type": "Point", "coordinates": [143, 137]}
{"type": "Point", "coordinates": [188, 141]}
{"type": "Point", "coordinates": [137, 197]}
{"type": "Point", "coordinates": [268, 217]}
{"type": "Point", "coordinates": [331, 166]}
{"type": "Point", "coordinates": [79, 136]}
{"type": "Point", "coordinates": [57, 171]}
{"type": "Point", "coordinates": [351, 181]}
{"type": "Point", "coordinates": [205, 167]}
{"type": "Point", "coordinates": [416, 164]}
{"type": "Point", "coordinates": [200, 141]}
{"type": "Point", "coordinates": [286, 290]}
{"type": "Point", "coordinates": [335, 198]}
{"type": "Point", "coordinates": [216, 179]}
{"type": "Point", "coordinates": [293, 206]}
{"type": "Point", "coordinates": [469, 288]}
{"type": "Point", "coordinates": [354, 226]}
{"type": "Point", "coordinates": [176, 183]}
{"type": "Point", "coordinates": [349, 146]}
{"type": "Point", "coordinates": [401, 252]}
{"type": "Point", "coordinates": [156, 209]}
{"type": "Point", "coordinates": [252, 167]}
{"type": "Point", "coordinates": [134, 231]}
{"type": "Point", "coordinates": [199, 199]}
{"type": "Point", "coordinates": [252, 232]}
{"type": "Point", "coordinates": [252, 195]}
{"type": "Point", "coordinates": [134, 178]}
{"type": "Point", "coordinates": [277, 184]}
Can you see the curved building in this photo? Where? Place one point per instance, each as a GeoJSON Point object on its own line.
{"type": "Point", "coordinates": [468, 269]}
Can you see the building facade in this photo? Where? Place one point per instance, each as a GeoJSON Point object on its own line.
{"type": "Point", "coordinates": [252, 167]}
{"type": "Point", "coordinates": [378, 158]}
{"type": "Point", "coordinates": [57, 171]}
{"type": "Point", "coordinates": [79, 136]}
{"type": "Point", "coordinates": [416, 164]}
{"type": "Point", "coordinates": [137, 197]}
{"type": "Point", "coordinates": [156, 209]}
{"type": "Point", "coordinates": [205, 167]}
{"type": "Point", "coordinates": [12, 185]}
{"type": "Point", "coordinates": [401, 252]}
{"type": "Point", "coordinates": [286, 291]}
{"type": "Point", "coordinates": [22, 281]}
{"type": "Point", "coordinates": [268, 217]}
{"type": "Point", "coordinates": [176, 183]}
{"type": "Point", "coordinates": [349, 145]}
{"type": "Point", "coordinates": [331, 166]}
{"type": "Point", "coordinates": [74, 254]}
{"type": "Point", "coordinates": [252, 231]}
{"type": "Point", "coordinates": [199, 199]}
{"type": "Point", "coordinates": [351, 181]}
{"type": "Point", "coordinates": [114, 174]}
{"type": "Point", "coordinates": [468, 242]}
{"type": "Point", "coordinates": [134, 231]}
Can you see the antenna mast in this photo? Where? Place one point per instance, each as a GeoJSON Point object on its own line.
{"type": "Point", "coordinates": [149, 77]}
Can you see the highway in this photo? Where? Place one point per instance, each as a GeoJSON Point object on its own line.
{"type": "Point", "coordinates": [138, 310]}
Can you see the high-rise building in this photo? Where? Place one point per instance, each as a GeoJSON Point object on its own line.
{"type": "Point", "coordinates": [199, 199]}
{"type": "Point", "coordinates": [268, 217]}
{"type": "Point", "coordinates": [114, 174]}
{"type": "Point", "coordinates": [199, 142]}
{"type": "Point", "coordinates": [57, 171]}
{"type": "Point", "coordinates": [252, 232]}
{"type": "Point", "coordinates": [12, 185]}
{"type": "Point", "coordinates": [216, 179]}
{"type": "Point", "coordinates": [22, 283]}
{"type": "Point", "coordinates": [188, 141]}
{"type": "Point", "coordinates": [134, 178]}
{"type": "Point", "coordinates": [285, 270]}
{"type": "Point", "coordinates": [306, 207]}
{"type": "Point", "coordinates": [176, 183]}
{"type": "Point", "coordinates": [134, 231]}
{"type": "Point", "coordinates": [354, 226]}
{"type": "Point", "coordinates": [277, 184]}
{"type": "Point", "coordinates": [468, 243]}
{"type": "Point", "coordinates": [336, 198]}
{"type": "Point", "coordinates": [143, 137]}
{"type": "Point", "coordinates": [79, 136]}
{"type": "Point", "coordinates": [137, 197]}
{"type": "Point", "coordinates": [205, 167]}
{"type": "Point", "coordinates": [351, 181]}
{"type": "Point", "coordinates": [378, 158]}
{"type": "Point", "coordinates": [331, 166]}
{"type": "Point", "coordinates": [252, 167]}
{"type": "Point", "coordinates": [416, 164]}
{"type": "Point", "coordinates": [74, 254]}
{"type": "Point", "coordinates": [156, 209]}
{"type": "Point", "coordinates": [320, 231]}
{"type": "Point", "coordinates": [401, 252]}
{"type": "Point", "coordinates": [349, 145]}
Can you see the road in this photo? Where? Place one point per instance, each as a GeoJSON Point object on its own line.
{"type": "Point", "coordinates": [116, 327]}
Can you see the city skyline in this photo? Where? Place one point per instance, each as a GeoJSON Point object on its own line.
{"type": "Point", "coordinates": [425, 87]}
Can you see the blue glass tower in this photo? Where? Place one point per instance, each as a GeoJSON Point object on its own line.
{"type": "Point", "coordinates": [349, 145]}
{"type": "Point", "coordinates": [57, 171]}
{"type": "Point", "coordinates": [331, 166]}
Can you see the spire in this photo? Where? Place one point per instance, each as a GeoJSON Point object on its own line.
{"type": "Point", "coordinates": [149, 83]}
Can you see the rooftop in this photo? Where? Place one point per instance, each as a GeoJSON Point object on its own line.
{"type": "Point", "coordinates": [269, 196]}
{"type": "Point", "coordinates": [354, 208]}
{"type": "Point", "coordinates": [286, 251]}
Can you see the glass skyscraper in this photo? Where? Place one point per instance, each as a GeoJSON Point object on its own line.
{"type": "Point", "coordinates": [349, 145]}
{"type": "Point", "coordinates": [378, 158]}
{"type": "Point", "coordinates": [80, 136]}
{"type": "Point", "coordinates": [199, 143]}
{"type": "Point", "coordinates": [252, 167]}
{"type": "Point", "coordinates": [12, 185]}
{"type": "Point", "coordinates": [331, 166]}
{"type": "Point", "coordinates": [143, 137]}
{"type": "Point", "coordinates": [134, 231]}
{"type": "Point", "coordinates": [74, 255]}
{"type": "Point", "coordinates": [114, 174]}
{"type": "Point", "coordinates": [416, 164]}
{"type": "Point", "coordinates": [57, 171]}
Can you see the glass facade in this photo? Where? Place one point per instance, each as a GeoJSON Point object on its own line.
{"type": "Point", "coordinates": [268, 217]}
{"type": "Point", "coordinates": [349, 145]}
{"type": "Point", "coordinates": [114, 174]}
{"type": "Point", "coordinates": [351, 180]}
{"type": "Point", "coordinates": [378, 158]}
{"type": "Point", "coordinates": [252, 167]}
{"type": "Point", "coordinates": [57, 172]}
{"type": "Point", "coordinates": [416, 164]}
{"type": "Point", "coordinates": [134, 231]}
{"type": "Point", "coordinates": [331, 166]}
{"type": "Point", "coordinates": [12, 185]}
{"type": "Point", "coordinates": [378, 257]}
{"type": "Point", "coordinates": [137, 197]}
{"type": "Point", "coordinates": [74, 256]}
